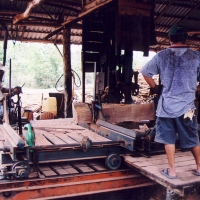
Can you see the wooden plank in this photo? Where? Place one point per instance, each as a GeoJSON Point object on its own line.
{"type": "Point", "coordinates": [56, 126]}
{"type": "Point", "coordinates": [55, 140]}
{"type": "Point", "coordinates": [82, 167]}
{"type": "Point", "coordinates": [185, 177]}
{"type": "Point", "coordinates": [85, 169]}
{"type": "Point", "coordinates": [61, 171]}
{"type": "Point", "coordinates": [66, 138]}
{"type": "Point", "coordinates": [40, 139]}
{"type": "Point", "coordinates": [81, 113]}
{"type": "Point", "coordinates": [15, 137]}
{"type": "Point", "coordinates": [155, 157]}
{"type": "Point", "coordinates": [49, 173]}
{"type": "Point", "coordinates": [97, 166]}
{"type": "Point", "coordinates": [66, 121]}
{"type": "Point", "coordinates": [56, 166]}
{"type": "Point", "coordinates": [44, 168]}
{"type": "Point", "coordinates": [151, 162]}
{"type": "Point", "coordinates": [69, 168]}
{"type": "Point", "coordinates": [151, 167]}
{"type": "Point", "coordinates": [79, 17]}
{"type": "Point", "coordinates": [162, 161]}
{"type": "Point", "coordinates": [75, 136]}
{"type": "Point", "coordinates": [94, 137]}
{"type": "Point", "coordinates": [115, 113]}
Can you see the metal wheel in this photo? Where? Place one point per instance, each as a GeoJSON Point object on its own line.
{"type": "Point", "coordinates": [86, 143]}
{"type": "Point", "coordinates": [22, 169]}
{"type": "Point", "coordinates": [113, 161]}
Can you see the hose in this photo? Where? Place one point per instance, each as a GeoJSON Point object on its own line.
{"type": "Point", "coordinates": [74, 80]}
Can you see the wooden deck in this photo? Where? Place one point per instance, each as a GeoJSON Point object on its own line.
{"type": "Point", "coordinates": [62, 131]}
{"type": "Point", "coordinates": [151, 168]}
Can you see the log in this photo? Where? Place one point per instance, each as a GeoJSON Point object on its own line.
{"type": "Point", "coordinates": [115, 113]}
{"type": "Point", "coordinates": [81, 113]}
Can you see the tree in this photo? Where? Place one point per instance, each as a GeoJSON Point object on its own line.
{"type": "Point", "coordinates": [37, 65]}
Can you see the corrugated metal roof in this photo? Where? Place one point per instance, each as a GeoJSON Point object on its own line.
{"type": "Point", "coordinates": [50, 14]}
{"type": "Point", "coordinates": [43, 19]}
{"type": "Point", "coordinates": [186, 13]}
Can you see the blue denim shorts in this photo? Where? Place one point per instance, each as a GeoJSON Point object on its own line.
{"type": "Point", "coordinates": [169, 129]}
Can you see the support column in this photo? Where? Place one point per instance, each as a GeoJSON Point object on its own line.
{"type": "Point", "coordinates": [83, 61]}
{"type": "Point", "coordinates": [128, 75]}
{"type": "Point", "coordinates": [67, 73]}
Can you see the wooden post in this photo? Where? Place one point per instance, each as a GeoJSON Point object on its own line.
{"type": "Point", "coordinates": [83, 63]}
{"type": "Point", "coordinates": [67, 72]}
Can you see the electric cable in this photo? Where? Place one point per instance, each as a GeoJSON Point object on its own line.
{"type": "Point", "coordinates": [56, 85]}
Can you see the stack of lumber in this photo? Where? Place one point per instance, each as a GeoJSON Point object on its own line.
{"type": "Point", "coordinates": [115, 113]}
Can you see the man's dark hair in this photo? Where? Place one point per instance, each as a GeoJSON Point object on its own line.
{"type": "Point", "coordinates": [178, 38]}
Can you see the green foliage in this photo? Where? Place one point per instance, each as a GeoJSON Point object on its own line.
{"type": "Point", "coordinates": [37, 65]}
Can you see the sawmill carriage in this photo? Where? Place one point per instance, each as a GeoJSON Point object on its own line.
{"type": "Point", "coordinates": [114, 124]}
{"type": "Point", "coordinates": [110, 35]}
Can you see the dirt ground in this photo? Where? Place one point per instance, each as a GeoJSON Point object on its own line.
{"type": "Point", "coordinates": [32, 98]}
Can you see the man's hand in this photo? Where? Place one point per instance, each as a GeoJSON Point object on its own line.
{"type": "Point", "coordinates": [156, 90]}
{"type": "Point", "coordinates": [17, 90]}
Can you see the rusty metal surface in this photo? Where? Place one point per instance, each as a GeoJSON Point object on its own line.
{"type": "Point", "coordinates": [54, 186]}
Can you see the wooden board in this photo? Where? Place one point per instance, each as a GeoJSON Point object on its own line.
{"type": "Point", "coordinates": [82, 167]}
{"type": "Point", "coordinates": [151, 167]}
{"type": "Point", "coordinates": [40, 138]}
{"type": "Point", "coordinates": [53, 139]}
{"type": "Point", "coordinates": [57, 132]}
{"type": "Point", "coordinates": [94, 137]}
{"type": "Point", "coordinates": [115, 113]}
{"type": "Point", "coordinates": [81, 113]}
{"type": "Point", "coordinates": [66, 138]}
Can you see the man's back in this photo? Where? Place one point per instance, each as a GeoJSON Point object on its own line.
{"type": "Point", "coordinates": [178, 69]}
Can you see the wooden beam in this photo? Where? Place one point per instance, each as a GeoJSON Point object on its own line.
{"type": "Point", "coordinates": [91, 7]}
{"type": "Point", "coordinates": [115, 113]}
{"type": "Point", "coordinates": [42, 41]}
{"type": "Point", "coordinates": [32, 4]}
{"type": "Point", "coordinates": [23, 31]}
{"type": "Point", "coordinates": [67, 72]}
{"type": "Point", "coordinates": [63, 7]}
{"type": "Point", "coordinates": [43, 24]}
{"type": "Point", "coordinates": [69, 2]}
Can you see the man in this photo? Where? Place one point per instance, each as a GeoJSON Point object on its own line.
{"type": "Point", "coordinates": [179, 71]}
{"type": "Point", "coordinates": [3, 90]}
{"type": "Point", "coordinates": [14, 91]}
